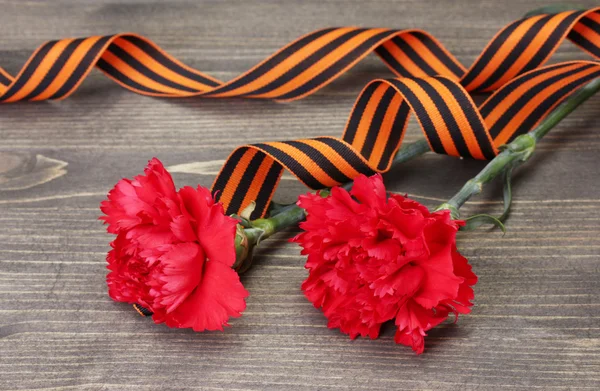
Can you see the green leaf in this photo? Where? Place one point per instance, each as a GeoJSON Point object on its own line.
{"type": "Point", "coordinates": [476, 221]}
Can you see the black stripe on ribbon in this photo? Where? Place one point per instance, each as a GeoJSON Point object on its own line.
{"type": "Point", "coordinates": [321, 160]}
{"type": "Point", "coordinates": [489, 53]}
{"type": "Point", "coordinates": [434, 48]}
{"type": "Point", "coordinates": [336, 68]}
{"type": "Point", "coordinates": [29, 70]}
{"type": "Point", "coordinates": [141, 68]}
{"type": "Point", "coordinates": [376, 122]}
{"type": "Point", "coordinates": [447, 117]}
{"type": "Point", "coordinates": [503, 93]}
{"type": "Point", "coordinates": [584, 43]}
{"type": "Point", "coordinates": [292, 164]}
{"type": "Point", "coordinates": [266, 190]}
{"type": "Point", "coordinates": [358, 111]}
{"type": "Point", "coordinates": [398, 128]}
{"type": "Point", "coordinates": [475, 121]}
{"type": "Point", "coordinates": [413, 55]}
{"type": "Point", "coordinates": [551, 43]}
{"type": "Point", "coordinates": [246, 181]}
{"type": "Point", "coordinates": [538, 113]}
{"type": "Point", "coordinates": [516, 52]}
{"type": "Point", "coordinates": [348, 154]}
{"type": "Point", "coordinates": [306, 63]}
{"type": "Point", "coordinates": [168, 63]}
{"type": "Point", "coordinates": [55, 69]}
{"type": "Point", "coordinates": [590, 23]}
{"type": "Point", "coordinates": [117, 75]}
{"type": "Point", "coordinates": [272, 62]}
{"type": "Point", "coordinates": [516, 106]}
{"type": "Point", "coordinates": [82, 68]}
{"type": "Point", "coordinates": [225, 174]}
{"type": "Point", "coordinates": [391, 62]}
{"type": "Point", "coordinates": [4, 79]}
{"type": "Point", "coordinates": [423, 117]}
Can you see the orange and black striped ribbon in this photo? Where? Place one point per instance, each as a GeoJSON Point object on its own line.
{"type": "Point", "coordinates": [56, 68]}
{"type": "Point", "coordinates": [432, 84]}
{"type": "Point", "coordinates": [451, 122]}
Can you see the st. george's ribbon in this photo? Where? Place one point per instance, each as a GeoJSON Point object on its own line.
{"type": "Point", "coordinates": [432, 84]}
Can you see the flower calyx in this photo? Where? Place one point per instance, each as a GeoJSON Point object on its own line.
{"type": "Point", "coordinates": [523, 146]}
{"type": "Point", "coordinates": [454, 213]}
{"type": "Point", "coordinates": [244, 249]}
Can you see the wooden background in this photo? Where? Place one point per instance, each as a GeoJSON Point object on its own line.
{"type": "Point", "coordinates": [536, 323]}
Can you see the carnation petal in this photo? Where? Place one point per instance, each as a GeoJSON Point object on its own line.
{"type": "Point", "coordinates": [410, 204]}
{"type": "Point", "coordinates": [369, 190]}
{"type": "Point", "coordinates": [193, 203]}
{"type": "Point", "coordinates": [313, 202]}
{"type": "Point", "coordinates": [413, 316]}
{"type": "Point", "coordinates": [463, 301]}
{"type": "Point", "coordinates": [373, 259]}
{"type": "Point", "coordinates": [128, 273]}
{"type": "Point", "coordinates": [440, 283]}
{"type": "Point", "coordinates": [402, 284]}
{"type": "Point", "coordinates": [412, 338]}
{"type": "Point", "coordinates": [156, 183]}
{"type": "Point", "coordinates": [180, 273]}
{"type": "Point", "coordinates": [462, 267]}
{"type": "Point", "coordinates": [182, 229]}
{"type": "Point", "coordinates": [409, 223]}
{"type": "Point", "coordinates": [133, 202]}
{"type": "Point", "coordinates": [214, 230]}
{"type": "Point", "coordinates": [387, 249]}
{"type": "Point", "coordinates": [218, 237]}
{"type": "Point", "coordinates": [219, 296]}
{"type": "Point", "coordinates": [341, 205]}
{"type": "Point", "coordinates": [150, 236]}
{"type": "Point", "coordinates": [122, 207]}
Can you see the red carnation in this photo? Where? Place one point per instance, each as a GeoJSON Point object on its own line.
{"type": "Point", "coordinates": [374, 258]}
{"type": "Point", "coordinates": [173, 252]}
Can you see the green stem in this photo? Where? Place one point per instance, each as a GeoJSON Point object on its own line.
{"type": "Point", "coordinates": [409, 151]}
{"type": "Point", "coordinates": [291, 216]}
{"type": "Point", "coordinates": [519, 150]}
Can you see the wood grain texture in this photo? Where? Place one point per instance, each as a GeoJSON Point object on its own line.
{"type": "Point", "coordinates": [536, 322]}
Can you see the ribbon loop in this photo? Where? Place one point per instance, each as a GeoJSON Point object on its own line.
{"type": "Point", "coordinates": [449, 118]}
{"type": "Point", "coordinates": [432, 84]}
{"type": "Point", "coordinates": [56, 69]}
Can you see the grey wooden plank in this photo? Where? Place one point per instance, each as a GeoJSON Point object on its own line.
{"type": "Point", "coordinates": [535, 325]}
